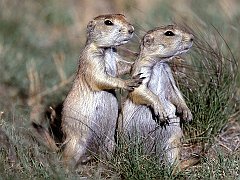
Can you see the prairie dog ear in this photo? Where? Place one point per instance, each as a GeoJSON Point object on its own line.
{"type": "Point", "coordinates": [148, 40]}
{"type": "Point", "coordinates": [90, 27]}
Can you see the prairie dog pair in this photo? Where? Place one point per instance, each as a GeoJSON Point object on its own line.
{"type": "Point", "coordinates": [158, 92]}
{"type": "Point", "coordinates": [90, 110]}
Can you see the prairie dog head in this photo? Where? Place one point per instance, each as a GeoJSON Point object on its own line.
{"type": "Point", "coordinates": [109, 30]}
{"type": "Point", "coordinates": [166, 42]}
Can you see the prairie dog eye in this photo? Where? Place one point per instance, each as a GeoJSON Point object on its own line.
{"type": "Point", "coordinates": [108, 22]}
{"type": "Point", "coordinates": [169, 33]}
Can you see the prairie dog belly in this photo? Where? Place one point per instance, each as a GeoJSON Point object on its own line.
{"type": "Point", "coordinates": [138, 119]}
{"type": "Point", "coordinates": [92, 117]}
{"type": "Point", "coordinates": [139, 126]}
{"type": "Point", "coordinates": [106, 112]}
{"type": "Point", "coordinates": [160, 84]}
{"type": "Point", "coordinates": [110, 62]}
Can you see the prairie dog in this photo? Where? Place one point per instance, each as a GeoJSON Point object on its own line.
{"type": "Point", "coordinates": [158, 47]}
{"type": "Point", "coordinates": [90, 109]}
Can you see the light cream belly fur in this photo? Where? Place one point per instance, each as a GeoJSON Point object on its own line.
{"type": "Point", "coordinates": [138, 120]}
{"type": "Point", "coordinates": [89, 125]}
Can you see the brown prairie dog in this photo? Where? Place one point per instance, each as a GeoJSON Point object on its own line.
{"type": "Point", "coordinates": [90, 109]}
{"type": "Point", "coordinates": [158, 47]}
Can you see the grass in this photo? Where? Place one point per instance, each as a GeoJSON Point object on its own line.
{"type": "Point", "coordinates": [132, 163]}
{"type": "Point", "coordinates": [41, 37]}
{"type": "Point", "coordinates": [211, 88]}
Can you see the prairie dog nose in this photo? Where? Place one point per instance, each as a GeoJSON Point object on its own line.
{"type": "Point", "coordinates": [130, 29]}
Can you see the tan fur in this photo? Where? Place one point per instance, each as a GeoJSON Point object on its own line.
{"type": "Point", "coordinates": [90, 110]}
{"type": "Point", "coordinates": [158, 91]}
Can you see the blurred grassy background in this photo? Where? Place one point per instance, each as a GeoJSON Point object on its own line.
{"type": "Point", "coordinates": [40, 42]}
{"type": "Point", "coordinates": [39, 31]}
